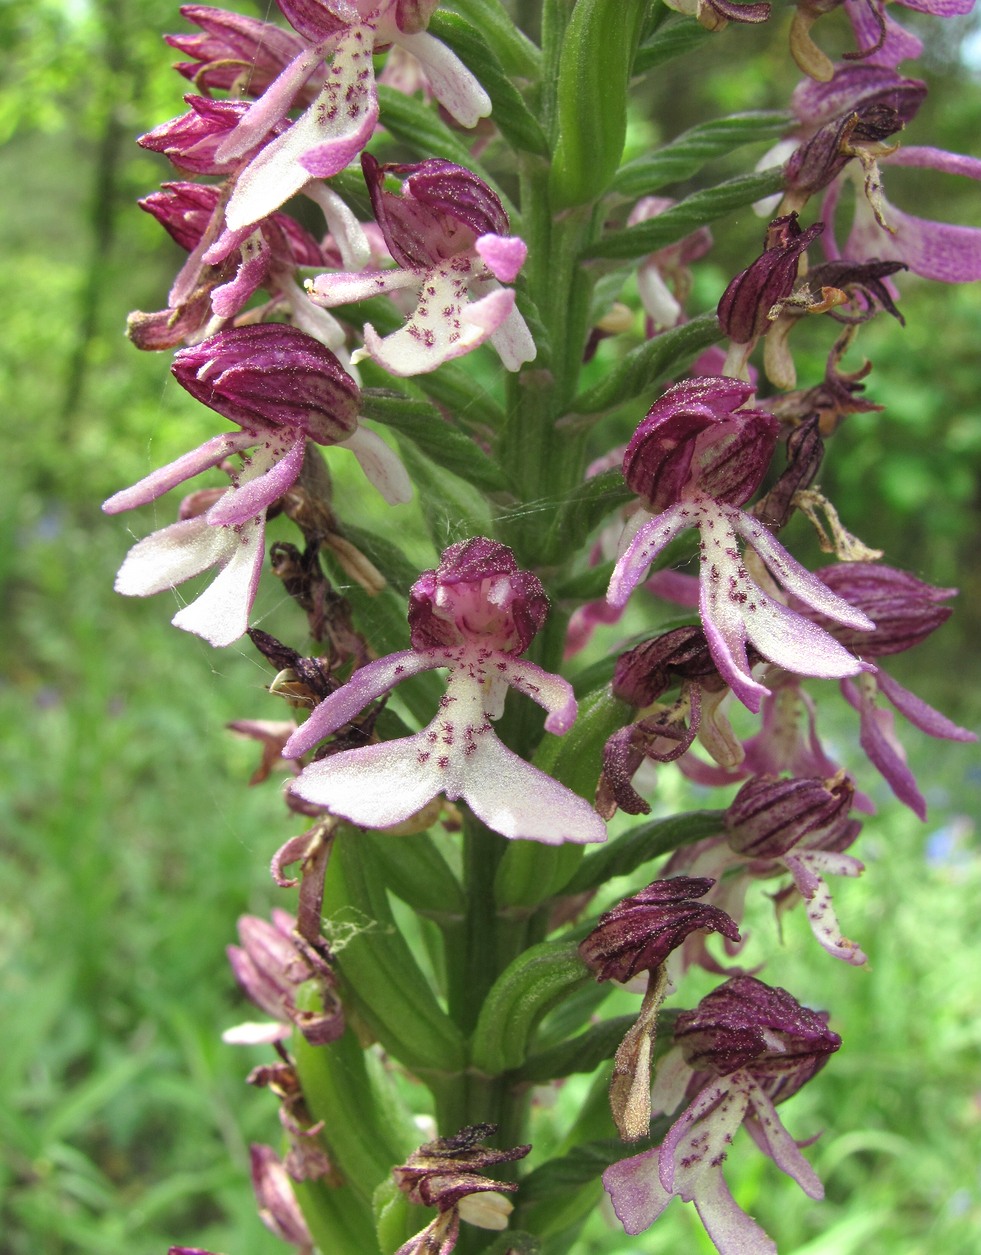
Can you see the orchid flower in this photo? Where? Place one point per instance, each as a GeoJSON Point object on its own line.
{"type": "Point", "coordinates": [341, 119]}
{"type": "Point", "coordinates": [694, 459]}
{"type": "Point", "coordinates": [449, 233]}
{"type": "Point", "coordinates": [474, 614]}
{"type": "Point", "coordinates": [282, 388]}
{"type": "Point", "coordinates": [745, 1048]}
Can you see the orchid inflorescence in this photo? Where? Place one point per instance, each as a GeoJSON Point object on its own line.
{"type": "Point", "coordinates": [367, 195]}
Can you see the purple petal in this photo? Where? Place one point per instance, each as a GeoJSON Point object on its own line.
{"type": "Point", "coordinates": [272, 106]}
{"type": "Point", "coordinates": [922, 157]}
{"type": "Point", "coordinates": [731, 1230]}
{"type": "Point", "coordinates": [183, 468]}
{"type": "Point", "coordinates": [781, 1147]}
{"type": "Point", "coordinates": [251, 497]}
{"type": "Point", "coordinates": [920, 715]}
{"type": "Point", "coordinates": [381, 465]}
{"type": "Point", "coordinates": [503, 255]}
{"type": "Point", "coordinates": [320, 143]}
{"type": "Point", "coordinates": [451, 82]}
{"type": "Point", "coordinates": [343, 289]}
{"type": "Point", "coordinates": [935, 250]}
{"type": "Point", "coordinates": [364, 686]}
{"type": "Point", "coordinates": [442, 326]}
{"type": "Point", "coordinates": [513, 341]}
{"type": "Point", "coordinates": [221, 613]}
{"type": "Point", "coordinates": [648, 542]}
{"type": "Point", "coordinates": [878, 739]}
{"type": "Point", "coordinates": [228, 298]}
{"type": "Point", "coordinates": [796, 578]}
{"type": "Point", "coordinates": [805, 869]}
{"type": "Point", "coordinates": [376, 786]}
{"type": "Point", "coordinates": [698, 1141]}
{"type": "Point", "coordinates": [517, 800]}
{"type": "Point", "coordinates": [551, 692]}
{"type": "Point", "coordinates": [638, 1197]}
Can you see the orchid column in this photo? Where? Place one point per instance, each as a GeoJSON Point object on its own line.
{"type": "Point", "coordinates": [472, 234]}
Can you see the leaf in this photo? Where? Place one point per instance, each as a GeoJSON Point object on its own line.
{"type": "Point", "coordinates": [672, 39]}
{"type": "Point", "coordinates": [451, 509]}
{"type": "Point", "coordinates": [515, 50]}
{"type": "Point", "coordinates": [587, 507]}
{"type": "Point", "coordinates": [415, 871]}
{"type": "Point", "coordinates": [381, 977]}
{"type": "Point", "coordinates": [438, 439]}
{"type": "Point", "coordinates": [594, 74]}
{"type": "Point", "coordinates": [510, 114]}
{"type": "Point", "coordinates": [664, 355]}
{"type": "Point", "coordinates": [687, 153]}
{"type": "Point", "coordinates": [578, 1054]}
{"type": "Point", "coordinates": [583, 1165]}
{"type": "Point", "coordinates": [692, 212]}
{"type": "Point", "coordinates": [529, 987]}
{"type": "Point", "coordinates": [642, 844]}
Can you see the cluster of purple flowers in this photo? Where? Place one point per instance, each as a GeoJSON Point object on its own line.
{"type": "Point", "coordinates": [250, 315]}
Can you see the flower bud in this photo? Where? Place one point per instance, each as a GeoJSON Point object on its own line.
{"type": "Point", "coordinates": [477, 593]}
{"type": "Point", "coordinates": [638, 934]}
{"type": "Point", "coordinates": [184, 210]}
{"type": "Point", "coordinates": [442, 211]}
{"type": "Point", "coordinates": [644, 673]}
{"type": "Point", "coordinates": [272, 374]}
{"type": "Point", "coordinates": [192, 140]}
{"type": "Point", "coordinates": [859, 110]}
{"type": "Point", "coordinates": [769, 817]}
{"type": "Point", "coordinates": [746, 1024]}
{"type": "Point", "coordinates": [233, 52]}
{"type": "Point", "coordinates": [746, 305]}
{"type": "Point", "coordinates": [271, 964]}
{"type": "Point", "coordinates": [904, 609]}
{"type": "Point", "coordinates": [695, 438]}
{"type": "Point", "coordinates": [278, 1209]}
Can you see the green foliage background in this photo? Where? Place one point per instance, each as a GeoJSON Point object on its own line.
{"type": "Point", "coordinates": [129, 841]}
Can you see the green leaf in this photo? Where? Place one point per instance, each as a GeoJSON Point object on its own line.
{"type": "Point", "coordinates": [643, 366]}
{"type": "Point", "coordinates": [692, 212]}
{"type": "Point", "coordinates": [514, 1242]}
{"type": "Point", "coordinates": [587, 507]}
{"type": "Point", "coordinates": [594, 74]}
{"type": "Point", "coordinates": [672, 39]}
{"type": "Point", "coordinates": [515, 50]}
{"type": "Point", "coordinates": [687, 153]}
{"type": "Point", "coordinates": [381, 977]}
{"type": "Point", "coordinates": [338, 1218]}
{"type": "Point", "coordinates": [399, 570]}
{"type": "Point", "coordinates": [338, 1089]}
{"type": "Point", "coordinates": [579, 1054]}
{"type": "Point", "coordinates": [438, 439]}
{"type": "Point", "coordinates": [583, 1165]}
{"type": "Point", "coordinates": [510, 114]}
{"type": "Point", "coordinates": [452, 510]}
{"type": "Point", "coordinates": [451, 386]}
{"type": "Point", "coordinates": [418, 127]}
{"type": "Point", "coordinates": [641, 844]}
{"type": "Point", "coordinates": [586, 585]}
{"type": "Point", "coordinates": [531, 872]}
{"type": "Point", "coordinates": [415, 871]}
{"type": "Point", "coordinates": [522, 994]}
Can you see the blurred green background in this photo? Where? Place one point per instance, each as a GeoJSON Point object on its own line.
{"type": "Point", "coordinates": [130, 842]}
